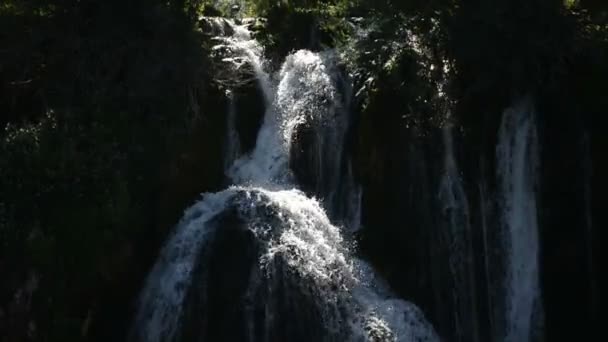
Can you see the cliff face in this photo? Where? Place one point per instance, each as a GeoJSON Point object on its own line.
{"type": "Point", "coordinates": [112, 154]}
{"type": "Point", "coordinates": [401, 164]}
{"type": "Point", "coordinates": [422, 115]}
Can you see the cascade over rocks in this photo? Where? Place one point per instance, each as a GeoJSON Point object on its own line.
{"type": "Point", "coordinates": [370, 170]}
{"type": "Point", "coordinates": [215, 26]}
{"type": "Point", "coordinates": [452, 208]}
{"type": "Point", "coordinates": [295, 276]}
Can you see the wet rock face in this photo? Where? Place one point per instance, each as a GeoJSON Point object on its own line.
{"type": "Point", "coordinates": [255, 25]}
{"type": "Point", "coordinates": [215, 309]}
{"type": "Point", "coordinates": [250, 109]}
{"type": "Point", "coordinates": [569, 222]}
{"type": "Point", "coordinates": [215, 26]}
{"type": "Point", "coordinates": [399, 173]}
{"type": "Point", "coordinates": [400, 216]}
{"type": "Point", "coordinates": [305, 159]}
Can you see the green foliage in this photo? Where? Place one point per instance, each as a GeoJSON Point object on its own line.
{"type": "Point", "coordinates": [65, 204]}
{"type": "Point", "coordinates": [294, 25]}
{"type": "Point", "coordinates": [97, 100]}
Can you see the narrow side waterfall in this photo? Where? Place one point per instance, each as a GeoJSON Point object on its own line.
{"type": "Point", "coordinates": [517, 163]}
{"type": "Point", "coordinates": [459, 240]}
{"type": "Point", "coordinates": [232, 145]}
{"type": "Point", "coordinates": [261, 261]}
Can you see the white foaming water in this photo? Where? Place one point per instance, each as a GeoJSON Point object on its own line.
{"type": "Point", "coordinates": [243, 51]}
{"type": "Point", "coordinates": [304, 88]}
{"type": "Point", "coordinates": [309, 242]}
{"type": "Point", "coordinates": [517, 163]}
{"type": "Point", "coordinates": [295, 232]}
{"type": "Point", "coordinates": [347, 292]}
{"type": "Point", "coordinates": [246, 51]}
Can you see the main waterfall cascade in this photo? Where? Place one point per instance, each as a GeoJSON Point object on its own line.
{"type": "Point", "coordinates": [264, 260]}
{"type": "Point", "coordinates": [261, 261]}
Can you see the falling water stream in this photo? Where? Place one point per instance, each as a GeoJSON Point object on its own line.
{"type": "Point", "coordinates": [293, 274]}
{"type": "Point", "coordinates": [271, 257]}
{"type": "Point", "coordinates": [460, 245]}
{"type": "Point", "coordinates": [517, 162]}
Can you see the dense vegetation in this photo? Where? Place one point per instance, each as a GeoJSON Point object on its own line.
{"type": "Point", "coordinates": [100, 103]}
{"type": "Point", "coordinates": [111, 123]}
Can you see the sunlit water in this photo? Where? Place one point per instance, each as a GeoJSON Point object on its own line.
{"type": "Point", "coordinates": [302, 259]}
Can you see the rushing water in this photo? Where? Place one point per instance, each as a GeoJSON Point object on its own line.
{"type": "Point", "coordinates": [304, 88]}
{"type": "Point", "coordinates": [262, 261]}
{"type": "Point", "coordinates": [517, 162]}
{"type": "Point", "coordinates": [458, 231]}
{"type": "Point", "coordinates": [271, 258]}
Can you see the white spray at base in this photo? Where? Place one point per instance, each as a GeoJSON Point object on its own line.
{"type": "Point", "coordinates": [517, 163]}
{"type": "Point", "coordinates": [351, 303]}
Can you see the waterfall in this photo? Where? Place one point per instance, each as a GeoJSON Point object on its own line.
{"type": "Point", "coordinates": [243, 50]}
{"type": "Point", "coordinates": [517, 162]}
{"type": "Point", "coordinates": [455, 208]}
{"type": "Point", "coordinates": [261, 261]}
{"type": "Point", "coordinates": [303, 89]}
{"type": "Point", "coordinates": [319, 156]}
